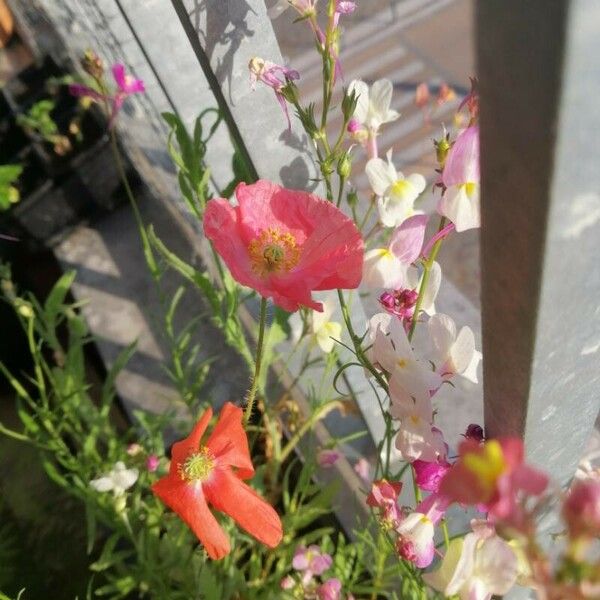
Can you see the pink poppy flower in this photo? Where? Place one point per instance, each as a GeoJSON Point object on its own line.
{"type": "Point", "coordinates": [494, 475]}
{"type": "Point", "coordinates": [126, 86]}
{"type": "Point", "coordinates": [285, 243]}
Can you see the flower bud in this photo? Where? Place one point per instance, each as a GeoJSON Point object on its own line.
{"type": "Point", "coordinates": [344, 166]}
{"type": "Point", "coordinates": [442, 147]}
{"type": "Point", "coordinates": [581, 509]}
{"type": "Point", "coordinates": [92, 64]}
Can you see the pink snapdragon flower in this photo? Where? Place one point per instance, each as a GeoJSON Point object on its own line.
{"type": "Point", "coordinates": [387, 267]}
{"type": "Point", "coordinates": [415, 539]}
{"type": "Point", "coordinates": [126, 86]}
{"type": "Point", "coordinates": [311, 561]}
{"type": "Point", "coordinates": [428, 475]}
{"type": "Point", "coordinates": [363, 469]}
{"type": "Point", "coordinates": [460, 200]}
{"type": "Point", "coordinates": [330, 589]}
{"type": "Point", "coordinates": [274, 76]}
{"type": "Point", "coordinates": [384, 496]}
{"type": "Point", "coordinates": [285, 243]}
{"type": "Point", "coordinates": [494, 475]}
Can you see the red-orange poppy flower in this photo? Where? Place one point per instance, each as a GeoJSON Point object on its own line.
{"type": "Point", "coordinates": [203, 474]}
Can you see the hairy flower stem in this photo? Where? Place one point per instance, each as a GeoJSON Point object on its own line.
{"type": "Point", "coordinates": [424, 282]}
{"type": "Point", "coordinates": [258, 363]}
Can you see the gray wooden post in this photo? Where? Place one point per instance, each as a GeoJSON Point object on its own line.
{"type": "Point", "coordinates": [540, 132]}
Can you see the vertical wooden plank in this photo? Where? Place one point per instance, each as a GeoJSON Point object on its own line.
{"type": "Point", "coordinates": [540, 127]}
{"type": "Point", "coordinates": [226, 35]}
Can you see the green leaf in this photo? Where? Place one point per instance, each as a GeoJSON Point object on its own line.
{"type": "Point", "coordinates": [108, 388]}
{"type": "Point", "coordinates": [56, 298]}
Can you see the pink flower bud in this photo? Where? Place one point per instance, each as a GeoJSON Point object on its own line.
{"type": "Point", "coordinates": [581, 509]}
{"type": "Point", "coordinates": [152, 463]}
{"type": "Point", "coordinates": [328, 458]}
{"type": "Point", "coordinates": [353, 126]}
{"type": "Point", "coordinates": [330, 590]}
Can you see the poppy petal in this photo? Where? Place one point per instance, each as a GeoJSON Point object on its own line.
{"type": "Point", "coordinates": [183, 448]}
{"type": "Point", "coordinates": [188, 501]}
{"type": "Point", "coordinates": [251, 512]}
{"type": "Point", "coordinates": [228, 441]}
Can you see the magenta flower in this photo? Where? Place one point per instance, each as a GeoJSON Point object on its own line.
{"type": "Point", "coordinates": [274, 76]}
{"type": "Point", "coordinates": [328, 458]}
{"type": "Point", "coordinates": [152, 463]}
{"type": "Point", "coordinates": [581, 509]}
{"type": "Point", "coordinates": [330, 590]}
{"type": "Point", "coordinates": [428, 475]}
{"type": "Point", "coordinates": [311, 560]}
{"type": "Point", "coordinates": [126, 86]}
{"type": "Point", "coordinates": [400, 303]}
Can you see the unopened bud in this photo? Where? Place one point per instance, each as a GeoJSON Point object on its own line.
{"type": "Point", "coordinates": [442, 147]}
{"type": "Point", "coordinates": [92, 64]}
{"type": "Point", "coordinates": [344, 166]}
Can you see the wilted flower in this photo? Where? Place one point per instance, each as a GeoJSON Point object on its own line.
{"type": "Point", "coordinates": [304, 7]}
{"type": "Point", "coordinates": [363, 469]}
{"type": "Point", "coordinates": [212, 473]}
{"type": "Point", "coordinates": [384, 495]}
{"type": "Point", "coordinates": [285, 243]}
{"type": "Point", "coordinates": [117, 480]}
{"type": "Point", "coordinates": [474, 432]}
{"type": "Point", "coordinates": [274, 76]}
{"type": "Point", "coordinates": [396, 194]}
{"type": "Point", "coordinates": [400, 303]}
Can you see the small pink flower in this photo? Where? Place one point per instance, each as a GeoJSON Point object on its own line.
{"type": "Point", "coordinates": [400, 303]}
{"type": "Point", "coordinates": [581, 509]}
{"type": "Point", "coordinates": [328, 458]}
{"type": "Point", "coordinates": [384, 495]}
{"type": "Point", "coordinates": [428, 475]}
{"type": "Point", "coordinates": [287, 583]}
{"type": "Point", "coordinates": [152, 463]}
{"type": "Point", "coordinates": [362, 469]}
{"type": "Point", "coordinates": [274, 76]}
{"type": "Point", "coordinates": [345, 7]}
{"type": "Point", "coordinates": [330, 590]}
{"type": "Point", "coordinates": [285, 243]}
{"type": "Point", "coordinates": [415, 539]}
{"type": "Point", "coordinates": [311, 560]}
{"type": "Point", "coordinates": [126, 86]}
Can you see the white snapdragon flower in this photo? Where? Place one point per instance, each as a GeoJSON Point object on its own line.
{"type": "Point", "coordinates": [117, 480]}
{"type": "Point", "coordinates": [453, 353]}
{"type": "Point", "coordinates": [373, 105]}
{"type": "Point", "coordinates": [395, 193]}
{"type": "Point", "coordinates": [476, 567]}
{"type": "Point", "coordinates": [323, 330]}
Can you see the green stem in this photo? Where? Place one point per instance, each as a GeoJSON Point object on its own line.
{"type": "Point", "coordinates": [340, 191]}
{"type": "Point", "coordinates": [446, 535]}
{"type": "Point", "coordinates": [258, 363]}
{"type": "Point", "coordinates": [418, 495]}
{"type": "Point", "coordinates": [424, 282]}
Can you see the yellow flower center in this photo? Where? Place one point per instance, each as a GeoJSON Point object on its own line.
{"type": "Point", "coordinates": [197, 466]}
{"type": "Point", "coordinates": [470, 188]}
{"type": "Point", "coordinates": [487, 465]}
{"type": "Point", "coordinates": [273, 252]}
{"type": "Point", "coordinates": [401, 363]}
{"type": "Point", "coordinates": [400, 187]}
